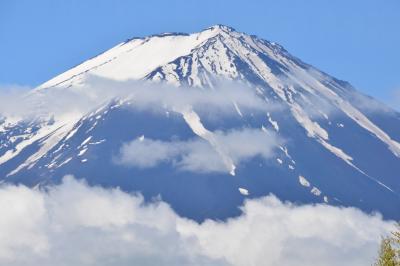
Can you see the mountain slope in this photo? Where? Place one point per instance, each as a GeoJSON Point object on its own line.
{"type": "Point", "coordinates": [331, 143]}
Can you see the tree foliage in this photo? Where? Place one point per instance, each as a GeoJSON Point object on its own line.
{"type": "Point", "coordinates": [389, 252]}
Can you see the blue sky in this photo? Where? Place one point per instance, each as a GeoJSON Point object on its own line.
{"type": "Point", "coordinates": [356, 40]}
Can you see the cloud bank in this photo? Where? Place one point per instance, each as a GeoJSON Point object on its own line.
{"type": "Point", "coordinates": [74, 224]}
{"type": "Point", "coordinates": [144, 96]}
{"type": "Point", "coordinates": [197, 154]}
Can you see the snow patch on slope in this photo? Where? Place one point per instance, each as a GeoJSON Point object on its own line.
{"type": "Point", "coordinates": [243, 191]}
{"type": "Point", "coordinates": [303, 181]}
{"type": "Point", "coordinates": [48, 135]}
{"type": "Point", "coordinates": [193, 120]}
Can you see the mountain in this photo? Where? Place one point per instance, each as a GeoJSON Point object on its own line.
{"type": "Point", "coordinates": [213, 118]}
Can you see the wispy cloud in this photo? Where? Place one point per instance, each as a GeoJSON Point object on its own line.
{"type": "Point", "coordinates": [144, 96]}
{"type": "Point", "coordinates": [74, 224]}
{"type": "Point", "coordinates": [367, 103]}
{"type": "Point", "coordinates": [320, 89]}
{"type": "Point", "coordinates": [395, 99]}
{"type": "Point", "coordinates": [197, 154]}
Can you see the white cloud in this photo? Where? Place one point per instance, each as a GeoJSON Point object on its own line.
{"type": "Point", "coordinates": [147, 153]}
{"type": "Point", "coordinates": [144, 96]}
{"type": "Point", "coordinates": [197, 154]}
{"type": "Point", "coordinates": [149, 94]}
{"type": "Point", "coordinates": [12, 102]}
{"type": "Point", "coordinates": [394, 101]}
{"type": "Point", "coordinates": [25, 103]}
{"type": "Point", "coordinates": [367, 103]}
{"type": "Point", "coordinates": [320, 102]}
{"type": "Point", "coordinates": [74, 224]}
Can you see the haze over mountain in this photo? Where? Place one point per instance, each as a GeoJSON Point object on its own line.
{"type": "Point", "coordinates": [204, 121]}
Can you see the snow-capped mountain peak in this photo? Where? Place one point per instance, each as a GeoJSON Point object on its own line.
{"type": "Point", "coordinates": [329, 142]}
{"type": "Point", "coordinates": [140, 55]}
{"type": "Point", "coordinates": [143, 56]}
